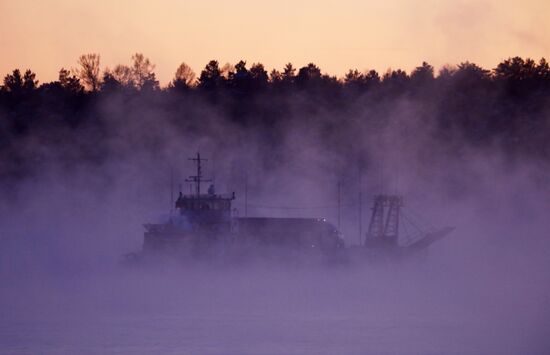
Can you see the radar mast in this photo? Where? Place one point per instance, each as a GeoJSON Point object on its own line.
{"type": "Point", "coordinates": [197, 179]}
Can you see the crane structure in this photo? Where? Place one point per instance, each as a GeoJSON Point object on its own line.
{"type": "Point", "coordinates": [384, 223]}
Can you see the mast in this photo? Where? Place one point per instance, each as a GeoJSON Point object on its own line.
{"type": "Point", "coordinates": [339, 204]}
{"type": "Point", "coordinates": [360, 212]}
{"type": "Point", "coordinates": [246, 194]}
{"type": "Point", "coordinates": [171, 190]}
{"type": "Point", "coordinates": [197, 179]}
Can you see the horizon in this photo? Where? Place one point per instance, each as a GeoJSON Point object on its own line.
{"type": "Point", "coordinates": [380, 36]}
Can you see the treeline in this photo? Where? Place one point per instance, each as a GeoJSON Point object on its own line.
{"type": "Point", "coordinates": [77, 117]}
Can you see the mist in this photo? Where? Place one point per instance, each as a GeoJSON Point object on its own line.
{"type": "Point", "coordinates": [68, 221]}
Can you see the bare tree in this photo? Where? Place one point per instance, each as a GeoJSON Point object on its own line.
{"type": "Point", "coordinates": [88, 73]}
{"type": "Point", "coordinates": [228, 70]}
{"type": "Point", "coordinates": [123, 74]}
{"type": "Point", "coordinates": [142, 72]}
{"type": "Point", "coordinates": [185, 76]}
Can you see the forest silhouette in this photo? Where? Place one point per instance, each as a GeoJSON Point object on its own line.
{"type": "Point", "coordinates": [72, 119]}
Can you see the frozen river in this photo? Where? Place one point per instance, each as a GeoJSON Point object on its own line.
{"type": "Point", "coordinates": [404, 309]}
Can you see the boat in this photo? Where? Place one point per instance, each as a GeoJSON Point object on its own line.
{"type": "Point", "coordinates": [205, 226]}
{"type": "Point", "coordinates": [384, 238]}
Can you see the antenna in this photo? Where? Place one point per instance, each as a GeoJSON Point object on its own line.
{"type": "Point", "coordinates": [360, 212]}
{"type": "Point", "coordinates": [246, 194]}
{"type": "Point", "coordinates": [197, 179]}
{"type": "Point", "coordinates": [171, 190]}
{"type": "Point", "coordinates": [339, 204]}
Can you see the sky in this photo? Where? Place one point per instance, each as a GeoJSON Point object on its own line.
{"type": "Point", "coordinates": [45, 35]}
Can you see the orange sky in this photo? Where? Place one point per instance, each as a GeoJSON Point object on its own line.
{"type": "Point", "coordinates": [45, 35]}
